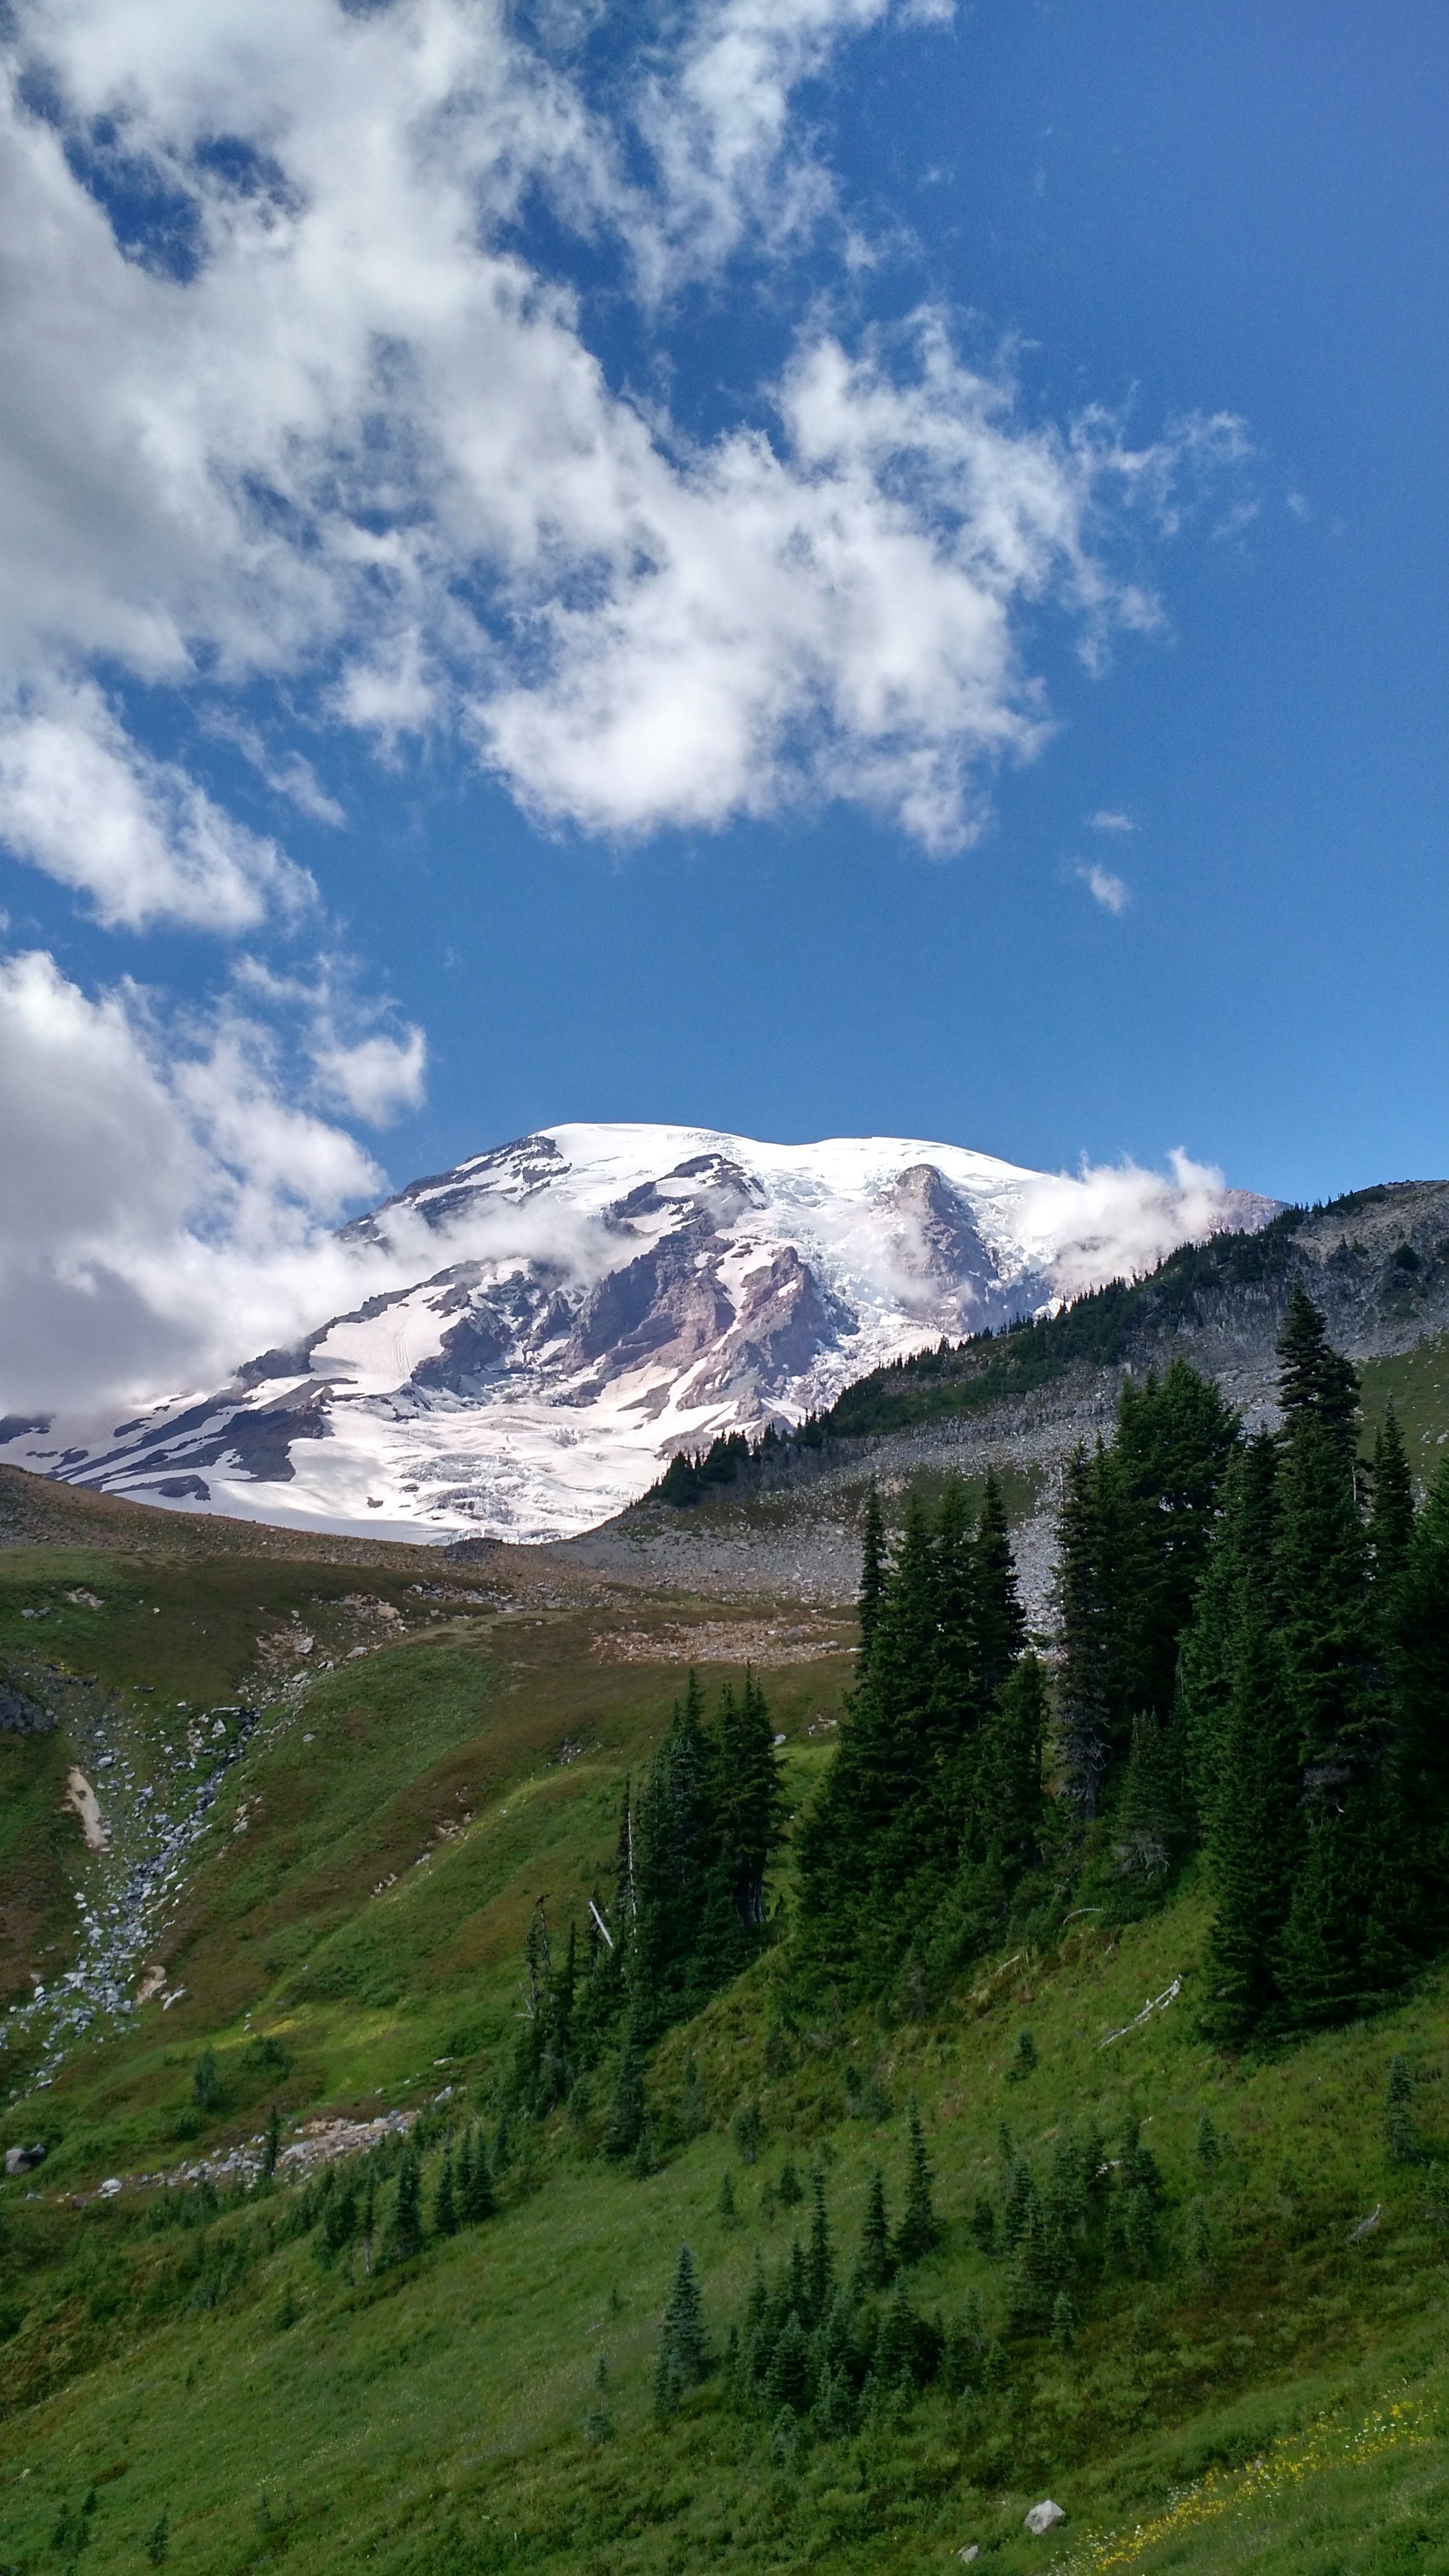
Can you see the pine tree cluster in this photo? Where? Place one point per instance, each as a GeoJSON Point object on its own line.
{"type": "Point", "coordinates": [1252, 1658]}
{"type": "Point", "coordinates": [1314, 1711]}
{"type": "Point", "coordinates": [933, 1808]}
{"type": "Point", "coordinates": [819, 2353]}
{"type": "Point", "coordinates": [689, 1911]}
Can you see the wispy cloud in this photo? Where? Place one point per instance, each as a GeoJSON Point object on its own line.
{"type": "Point", "coordinates": [1112, 893]}
{"type": "Point", "coordinates": [1106, 821]}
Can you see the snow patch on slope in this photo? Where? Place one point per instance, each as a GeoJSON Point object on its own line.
{"type": "Point", "coordinates": [542, 1327]}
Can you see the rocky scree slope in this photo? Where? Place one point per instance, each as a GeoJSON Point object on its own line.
{"type": "Point", "coordinates": [538, 1330]}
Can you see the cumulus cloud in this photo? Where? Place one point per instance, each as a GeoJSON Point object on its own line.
{"type": "Point", "coordinates": [135, 835]}
{"type": "Point", "coordinates": [1105, 820]}
{"type": "Point", "coordinates": [172, 1199]}
{"type": "Point", "coordinates": [161, 1192]}
{"type": "Point", "coordinates": [326, 424]}
{"type": "Point", "coordinates": [1111, 892]}
{"type": "Point", "coordinates": [1116, 1220]}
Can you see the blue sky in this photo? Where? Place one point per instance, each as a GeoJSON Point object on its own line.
{"type": "Point", "coordinates": [664, 598]}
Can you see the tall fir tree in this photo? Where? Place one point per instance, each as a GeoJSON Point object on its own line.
{"type": "Point", "coordinates": [1084, 1603]}
{"type": "Point", "coordinates": [1391, 1521]}
{"type": "Point", "coordinates": [872, 1574]}
{"type": "Point", "coordinates": [1418, 1654]}
{"type": "Point", "coordinates": [1315, 1382]}
{"type": "Point", "coordinates": [917, 2232]}
{"type": "Point", "coordinates": [998, 1618]}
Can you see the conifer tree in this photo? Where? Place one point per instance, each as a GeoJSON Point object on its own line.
{"type": "Point", "coordinates": [1084, 1684]}
{"type": "Point", "coordinates": [1253, 1823]}
{"type": "Point", "coordinates": [1341, 1717]}
{"type": "Point", "coordinates": [748, 1806]}
{"type": "Point", "coordinates": [1418, 1655]}
{"type": "Point", "coordinates": [1174, 1441]}
{"type": "Point", "coordinates": [1150, 1822]}
{"type": "Point", "coordinates": [820, 2258]}
{"type": "Point", "coordinates": [953, 1709]}
{"type": "Point", "coordinates": [876, 2262]}
{"type": "Point", "coordinates": [476, 2201]}
{"type": "Point", "coordinates": [1010, 1809]}
{"type": "Point", "coordinates": [1315, 1383]}
{"type": "Point", "coordinates": [671, 1856]}
{"type": "Point", "coordinates": [1391, 1521]}
{"type": "Point", "coordinates": [917, 2231]}
{"type": "Point", "coordinates": [445, 2206]}
{"type": "Point", "coordinates": [683, 2332]}
{"type": "Point", "coordinates": [404, 2235]}
{"type": "Point", "coordinates": [872, 1576]}
{"type": "Point", "coordinates": [1000, 1621]}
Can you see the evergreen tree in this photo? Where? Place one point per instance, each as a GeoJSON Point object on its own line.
{"type": "Point", "coordinates": [672, 1853]}
{"type": "Point", "coordinates": [748, 1809]}
{"type": "Point", "coordinates": [872, 1575]}
{"type": "Point", "coordinates": [272, 2144]}
{"type": "Point", "coordinates": [1150, 1821]}
{"type": "Point", "coordinates": [820, 2257]}
{"type": "Point", "coordinates": [476, 2201]}
{"type": "Point", "coordinates": [999, 1620]}
{"type": "Point", "coordinates": [445, 2207]}
{"type": "Point", "coordinates": [1418, 1656]}
{"type": "Point", "coordinates": [876, 2261]}
{"type": "Point", "coordinates": [1391, 1521]}
{"type": "Point", "coordinates": [951, 1645]}
{"type": "Point", "coordinates": [1315, 1383]}
{"type": "Point", "coordinates": [683, 2333]}
{"type": "Point", "coordinates": [1399, 2135]}
{"type": "Point", "coordinates": [917, 2231]}
{"type": "Point", "coordinates": [404, 2236]}
{"type": "Point", "coordinates": [1238, 1568]}
{"type": "Point", "coordinates": [1253, 1825]}
{"type": "Point", "coordinates": [1322, 1574]}
{"type": "Point", "coordinates": [1084, 1603]}
{"type": "Point", "coordinates": [1175, 1439]}
{"type": "Point", "coordinates": [1010, 1805]}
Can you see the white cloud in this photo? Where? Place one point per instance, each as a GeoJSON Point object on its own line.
{"type": "Point", "coordinates": [136, 835]}
{"type": "Point", "coordinates": [171, 1204]}
{"type": "Point", "coordinates": [1105, 821]}
{"type": "Point", "coordinates": [1116, 1221]}
{"type": "Point", "coordinates": [287, 773]}
{"type": "Point", "coordinates": [364, 1069]}
{"type": "Point", "coordinates": [362, 446]}
{"type": "Point", "coordinates": [163, 1198]}
{"type": "Point", "coordinates": [1110, 892]}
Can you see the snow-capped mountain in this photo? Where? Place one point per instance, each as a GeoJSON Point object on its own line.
{"type": "Point", "coordinates": [538, 1330]}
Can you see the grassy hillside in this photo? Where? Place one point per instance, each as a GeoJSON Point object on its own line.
{"type": "Point", "coordinates": [347, 1941]}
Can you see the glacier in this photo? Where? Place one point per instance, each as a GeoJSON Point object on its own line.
{"type": "Point", "coordinates": [545, 1325]}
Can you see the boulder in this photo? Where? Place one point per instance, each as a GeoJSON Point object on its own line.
{"type": "Point", "coordinates": [1044, 2517]}
{"type": "Point", "coordinates": [966, 2555]}
{"type": "Point", "coordinates": [19, 2160]}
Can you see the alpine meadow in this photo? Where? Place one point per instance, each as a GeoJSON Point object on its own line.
{"type": "Point", "coordinates": [517, 2062]}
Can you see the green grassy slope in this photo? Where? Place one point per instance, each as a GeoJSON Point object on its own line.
{"type": "Point", "coordinates": [401, 1814]}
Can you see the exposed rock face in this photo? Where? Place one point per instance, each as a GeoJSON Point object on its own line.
{"type": "Point", "coordinates": [566, 1312]}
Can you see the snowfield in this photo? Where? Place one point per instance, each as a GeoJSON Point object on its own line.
{"type": "Point", "coordinates": [539, 1330]}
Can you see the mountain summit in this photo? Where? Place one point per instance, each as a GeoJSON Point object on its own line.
{"type": "Point", "coordinates": [537, 1330]}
